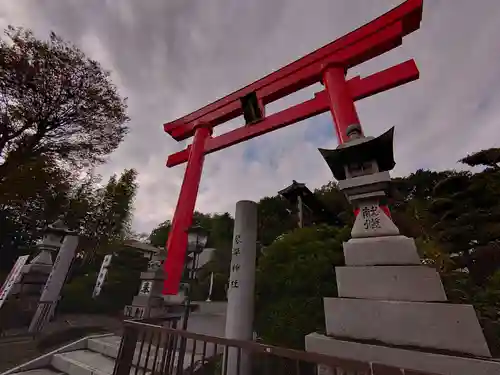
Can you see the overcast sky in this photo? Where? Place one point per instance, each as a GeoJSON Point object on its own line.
{"type": "Point", "coordinates": [170, 57]}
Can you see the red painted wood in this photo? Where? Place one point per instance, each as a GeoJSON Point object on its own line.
{"type": "Point", "coordinates": [284, 81]}
{"type": "Point", "coordinates": [341, 102]}
{"type": "Point", "coordinates": [183, 216]}
{"type": "Point", "coordinates": [273, 122]}
{"type": "Point", "coordinates": [384, 80]}
{"type": "Point", "coordinates": [359, 89]}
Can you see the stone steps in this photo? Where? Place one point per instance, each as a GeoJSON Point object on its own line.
{"type": "Point", "coordinates": [83, 362]}
{"type": "Point", "coordinates": [41, 371]}
{"type": "Point", "coordinates": [98, 355]}
{"type": "Point", "coordinates": [95, 356]}
{"type": "Point", "coordinates": [108, 346]}
{"type": "Point", "coordinates": [99, 358]}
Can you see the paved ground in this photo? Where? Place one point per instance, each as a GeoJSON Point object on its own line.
{"type": "Point", "coordinates": [15, 353]}
{"type": "Point", "coordinates": [209, 320]}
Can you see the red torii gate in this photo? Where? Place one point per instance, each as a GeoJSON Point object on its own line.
{"type": "Point", "coordinates": [329, 65]}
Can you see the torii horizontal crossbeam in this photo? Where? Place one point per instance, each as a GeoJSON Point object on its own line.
{"type": "Point", "coordinates": [359, 88]}
{"type": "Point", "coordinates": [379, 36]}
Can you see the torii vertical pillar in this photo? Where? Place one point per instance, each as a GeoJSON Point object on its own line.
{"type": "Point", "coordinates": [183, 217]}
{"type": "Point", "coordinates": [341, 103]}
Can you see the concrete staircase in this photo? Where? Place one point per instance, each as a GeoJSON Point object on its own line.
{"type": "Point", "coordinates": [95, 355]}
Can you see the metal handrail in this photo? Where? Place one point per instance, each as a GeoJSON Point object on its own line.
{"type": "Point", "coordinates": [156, 350]}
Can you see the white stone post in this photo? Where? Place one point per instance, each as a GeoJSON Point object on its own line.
{"type": "Point", "coordinates": [101, 277]}
{"type": "Point", "coordinates": [300, 206]}
{"type": "Point", "coordinates": [210, 288]}
{"type": "Point", "coordinates": [240, 306]}
{"type": "Point", "coordinates": [52, 289]}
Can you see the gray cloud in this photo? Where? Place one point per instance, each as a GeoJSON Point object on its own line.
{"type": "Point", "coordinates": [171, 57]}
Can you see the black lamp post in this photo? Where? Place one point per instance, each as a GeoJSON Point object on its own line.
{"type": "Point", "coordinates": [197, 240]}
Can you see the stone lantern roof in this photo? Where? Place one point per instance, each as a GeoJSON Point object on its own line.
{"type": "Point", "coordinates": [57, 227]}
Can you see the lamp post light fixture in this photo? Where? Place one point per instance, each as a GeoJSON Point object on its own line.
{"type": "Point", "coordinates": [197, 240]}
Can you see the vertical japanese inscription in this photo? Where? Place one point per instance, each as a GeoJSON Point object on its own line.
{"type": "Point", "coordinates": [235, 263]}
{"type": "Point", "coordinates": [145, 288]}
{"type": "Point", "coordinates": [371, 217]}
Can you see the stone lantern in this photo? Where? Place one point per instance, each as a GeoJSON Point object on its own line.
{"type": "Point", "coordinates": [388, 301]}
{"type": "Point", "coordinates": [25, 293]}
{"type": "Point", "coordinates": [53, 236]}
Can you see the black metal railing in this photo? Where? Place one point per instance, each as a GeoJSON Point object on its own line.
{"type": "Point", "coordinates": [150, 349]}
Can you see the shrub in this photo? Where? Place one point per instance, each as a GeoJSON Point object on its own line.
{"type": "Point", "coordinates": [293, 275]}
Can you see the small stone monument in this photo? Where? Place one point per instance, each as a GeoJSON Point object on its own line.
{"type": "Point", "coordinates": [149, 301]}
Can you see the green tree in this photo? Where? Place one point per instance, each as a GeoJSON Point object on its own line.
{"type": "Point", "coordinates": [466, 213]}
{"type": "Point", "coordinates": [454, 217]}
{"type": "Point", "coordinates": [478, 217]}
{"type": "Point", "coordinates": [30, 197]}
{"type": "Point", "coordinates": [274, 218]}
{"type": "Point", "coordinates": [56, 102]}
{"type": "Point", "coordinates": [106, 219]}
{"type": "Point", "coordinates": [121, 285]}
{"type": "Point", "coordinates": [115, 208]}
{"type": "Point", "coordinates": [221, 238]}
{"type": "Point", "coordinates": [489, 158]}
{"type": "Point", "coordinates": [411, 197]}
{"type": "Point", "coordinates": [336, 201]}
{"type": "Point", "coordinates": [159, 235]}
{"type": "Point", "coordinates": [294, 273]}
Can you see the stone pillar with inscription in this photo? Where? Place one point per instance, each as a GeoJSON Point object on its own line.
{"type": "Point", "coordinates": [240, 304]}
{"type": "Point", "coordinates": [388, 300]}
{"type": "Point", "coordinates": [51, 292]}
{"type": "Point", "coordinates": [101, 276]}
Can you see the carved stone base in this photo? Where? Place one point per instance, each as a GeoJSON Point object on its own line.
{"type": "Point", "coordinates": [439, 364]}
{"type": "Point", "coordinates": [421, 324]}
{"type": "Point", "coordinates": [388, 250]}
